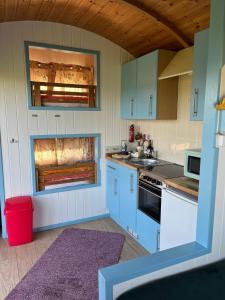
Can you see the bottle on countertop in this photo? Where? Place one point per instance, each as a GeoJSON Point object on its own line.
{"type": "Point", "coordinates": [148, 146]}
{"type": "Point", "coordinates": [150, 150]}
{"type": "Point", "coordinates": [123, 146]}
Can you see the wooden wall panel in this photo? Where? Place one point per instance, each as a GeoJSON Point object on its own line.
{"type": "Point", "coordinates": [16, 121]}
{"type": "Point", "coordinates": [137, 26]}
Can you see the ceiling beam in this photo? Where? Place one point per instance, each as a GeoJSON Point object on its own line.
{"type": "Point", "coordinates": [164, 23]}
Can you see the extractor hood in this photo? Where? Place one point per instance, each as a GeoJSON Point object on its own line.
{"type": "Point", "coordinates": [181, 64]}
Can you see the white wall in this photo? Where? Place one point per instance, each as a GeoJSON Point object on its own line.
{"type": "Point", "coordinates": [171, 138]}
{"type": "Point", "coordinates": [16, 120]}
{"type": "Point", "coordinates": [218, 246]}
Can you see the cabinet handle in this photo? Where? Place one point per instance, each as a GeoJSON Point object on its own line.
{"type": "Point", "coordinates": [115, 186]}
{"type": "Point", "coordinates": [111, 168]}
{"type": "Point", "coordinates": [158, 239]}
{"type": "Point", "coordinates": [131, 183]}
{"type": "Point", "coordinates": [150, 105]}
{"type": "Point", "coordinates": [135, 235]}
{"type": "Point", "coordinates": [196, 102]}
{"type": "Point", "coordinates": [132, 106]}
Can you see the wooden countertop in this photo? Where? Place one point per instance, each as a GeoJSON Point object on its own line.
{"type": "Point", "coordinates": [184, 184]}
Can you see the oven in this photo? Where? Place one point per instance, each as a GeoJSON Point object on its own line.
{"type": "Point", "coordinates": [149, 199]}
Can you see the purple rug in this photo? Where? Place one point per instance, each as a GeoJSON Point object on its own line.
{"type": "Point", "coordinates": [68, 270]}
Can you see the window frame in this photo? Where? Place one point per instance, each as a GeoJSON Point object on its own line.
{"type": "Point", "coordinates": [97, 137]}
{"type": "Point", "coordinates": [97, 53]}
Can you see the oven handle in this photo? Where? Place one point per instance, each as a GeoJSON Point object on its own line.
{"type": "Point", "coordinates": [141, 187]}
{"type": "Point", "coordinates": [149, 185]}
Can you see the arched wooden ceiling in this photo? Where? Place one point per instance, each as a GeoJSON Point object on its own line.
{"type": "Point", "coordinates": [137, 26]}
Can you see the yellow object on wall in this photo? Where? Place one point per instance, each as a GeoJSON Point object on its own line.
{"type": "Point", "coordinates": [221, 105]}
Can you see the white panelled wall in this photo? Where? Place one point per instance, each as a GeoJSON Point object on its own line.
{"type": "Point", "coordinates": [172, 138]}
{"type": "Point", "coordinates": [17, 122]}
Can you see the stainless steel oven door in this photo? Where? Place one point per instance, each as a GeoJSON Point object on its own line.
{"type": "Point", "coordinates": [149, 200]}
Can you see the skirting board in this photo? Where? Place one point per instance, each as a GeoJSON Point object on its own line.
{"type": "Point", "coordinates": [63, 224]}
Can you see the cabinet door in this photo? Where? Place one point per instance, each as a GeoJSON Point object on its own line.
{"type": "Point", "coordinates": [178, 220]}
{"type": "Point", "coordinates": [113, 191]}
{"type": "Point", "coordinates": [147, 76]}
{"type": "Point", "coordinates": [128, 199]}
{"type": "Point", "coordinates": [148, 232]}
{"type": "Point", "coordinates": [128, 90]}
{"type": "Point", "coordinates": [199, 75]}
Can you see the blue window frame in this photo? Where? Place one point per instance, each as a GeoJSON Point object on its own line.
{"type": "Point", "coordinates": [30, 87]}
{"type": "Point", "coordinates": [97, 155]}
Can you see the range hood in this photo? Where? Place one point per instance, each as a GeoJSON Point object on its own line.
{"type": "Point", "coordinates": [181, 64]}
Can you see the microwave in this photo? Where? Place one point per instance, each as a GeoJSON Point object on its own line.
{"type": "Point", "coordinates": [192, 163]}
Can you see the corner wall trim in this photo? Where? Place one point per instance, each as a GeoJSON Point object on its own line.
{"type": "Point", "coordinates": [112, 275]}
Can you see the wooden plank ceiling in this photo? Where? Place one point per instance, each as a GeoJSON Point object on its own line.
{"type": "Point", "coordinates": [138, 26]}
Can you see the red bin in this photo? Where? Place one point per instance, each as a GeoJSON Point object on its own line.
{"type": "Point", "coordinates": [19, 220]}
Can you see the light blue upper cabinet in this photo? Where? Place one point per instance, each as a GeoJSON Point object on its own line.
{"type": "Point", "coordinates": [128, 199]}
{"type": "Point", "coordinates": [147, 72]}
{"type": "Point", "coordinates": [199, 75]}
{"type": "Point", "coordinates": [143, 96]}
{"type": "Point", "coordinates": [128, 96]}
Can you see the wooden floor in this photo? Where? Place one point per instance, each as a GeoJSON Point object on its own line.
{"type": "Point", "coordinates": [16, 261]}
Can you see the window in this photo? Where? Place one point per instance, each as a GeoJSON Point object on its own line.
{"type": "Point", "coordinates": [64, 162]}
{"type": "Point", "coordinates": [62, 78]}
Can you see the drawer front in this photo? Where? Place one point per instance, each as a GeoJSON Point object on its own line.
{"type": "Point", "coordinates": [112, 166]}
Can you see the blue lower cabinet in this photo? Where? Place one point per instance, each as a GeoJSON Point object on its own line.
{"type": "Point", "coordinates": [128, 199]}
{"type": "Point", "coordinates": [112, 194]}
{"type": "Point", "coordinates": [122, 198]}
{"type": "Point", "coordinates": [148, 232]}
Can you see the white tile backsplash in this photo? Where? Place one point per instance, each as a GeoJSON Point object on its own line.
{"type": "Point", "coordinates": [172, 138]}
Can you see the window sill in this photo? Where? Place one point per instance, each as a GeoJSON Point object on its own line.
{"type": "Point", "coordinates": [65, 189]}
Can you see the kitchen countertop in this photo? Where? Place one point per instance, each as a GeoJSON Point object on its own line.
{"type": "Point", "coordinates": [184, 184]}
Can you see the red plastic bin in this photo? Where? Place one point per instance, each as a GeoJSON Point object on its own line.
{"type": "Point", "coordinates": [19, 220]}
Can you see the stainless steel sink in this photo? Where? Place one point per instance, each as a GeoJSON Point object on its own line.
{"type": "Point", "coordinates": [142, 161]}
